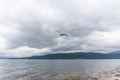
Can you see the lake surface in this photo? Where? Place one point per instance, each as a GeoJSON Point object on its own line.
{"type": "Point", "coordinates": [49, 69]}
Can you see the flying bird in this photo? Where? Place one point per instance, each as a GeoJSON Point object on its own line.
{"type": "Point", "coordinates": [62, 34]}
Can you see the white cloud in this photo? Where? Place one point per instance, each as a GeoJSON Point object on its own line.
{"type": "Point", "coordinates": [103, 41]}
{"type": "Point", "coordinates": [93, 25]}
{"type": "Point", "coordinates": [3, 43]}
{"type": "Point", "coordinates": [24, 51]}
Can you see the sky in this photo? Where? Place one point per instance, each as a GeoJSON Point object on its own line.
{"type": "Point", "coordinates": [29, 27]}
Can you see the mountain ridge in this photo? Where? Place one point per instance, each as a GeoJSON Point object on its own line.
{"type": "Point", "coordinates": [76, 55]}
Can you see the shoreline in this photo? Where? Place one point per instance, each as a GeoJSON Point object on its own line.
{"type": "Point", "coordinates": [104, 75]}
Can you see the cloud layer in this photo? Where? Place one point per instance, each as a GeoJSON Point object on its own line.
{"type": "Point", "coordinates": [29, 27]}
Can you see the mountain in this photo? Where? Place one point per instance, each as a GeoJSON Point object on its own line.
{"type": "Point", "coordinates": [76, 55]}
{"type": "Point", "coordinates": [115, 52]}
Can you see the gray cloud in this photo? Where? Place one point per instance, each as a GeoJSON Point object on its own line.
{"type": "Point", "coordinates": [92, 26]}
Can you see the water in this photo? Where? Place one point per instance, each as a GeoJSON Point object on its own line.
{"type": "Point", "coordinates": [49, 69]}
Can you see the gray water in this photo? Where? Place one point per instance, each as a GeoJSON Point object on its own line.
{"type": "Point", "coordinates": [49, 69]}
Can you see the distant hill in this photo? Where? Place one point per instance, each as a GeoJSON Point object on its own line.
{"type": "Point", "coordinates": [76, 55]}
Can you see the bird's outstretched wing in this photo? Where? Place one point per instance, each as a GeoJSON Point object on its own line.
{"type": "Point", "coordinates": [64, 35]}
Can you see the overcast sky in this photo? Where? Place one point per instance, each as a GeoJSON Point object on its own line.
{"type": "Point", "coordinates": [28, 27]}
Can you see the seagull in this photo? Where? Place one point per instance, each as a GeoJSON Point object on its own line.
{"type": "Point", "coordinates": [62, 34]}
